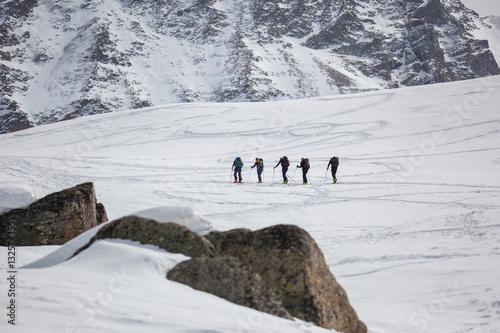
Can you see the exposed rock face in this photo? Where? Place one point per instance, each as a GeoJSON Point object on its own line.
{"type": "Point", "coordinates": [292, 265]}
{"type": "Point", "coordinates": [54, 219]}
{"type": "Point", "coordinates": [228, 278]}
{"type": "Point", "coordinates": [168, 236]}
{"type": "Point", "coordinates": [11, 119]}
{"type": "Point", "coordinates": [93, 61]}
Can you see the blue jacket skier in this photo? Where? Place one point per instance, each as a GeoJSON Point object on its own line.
{"type": "Point", "coordinates": [237, 165]}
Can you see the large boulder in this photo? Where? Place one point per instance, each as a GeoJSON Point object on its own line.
{"type": "Point", "coordinates": [229, 278]}
{"type": "Point", "coordinates": [54, 219]}
{"type": "Point", "coordinates": [292, 265]}
{"type": "Point", "coordinates": [169, 236]}
{"type": "Point", "coordinates": [279, 270]}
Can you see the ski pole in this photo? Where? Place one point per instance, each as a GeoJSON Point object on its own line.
{"type": "Point", "coordinates": [293, 180]}
{"type": "Point", "coordinates": [231, 175]}
{"type": "Point", "coordinates": [249, 174]}
{"type": "Point", "coordinates": [326, 174]}
{"type": "Point", "coordinates": [273, 174]}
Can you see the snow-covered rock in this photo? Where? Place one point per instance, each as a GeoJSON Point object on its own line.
{"type": "Point", "coordinates": [15, 196]}
{"type": "Point", "coordinates": [182, 215]}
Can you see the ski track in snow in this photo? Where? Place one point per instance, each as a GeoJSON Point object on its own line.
{"type": "Point", "coordinates": [416, 207]}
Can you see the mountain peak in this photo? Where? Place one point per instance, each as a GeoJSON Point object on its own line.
{"type": "Point", "coordinates": [61, 59]}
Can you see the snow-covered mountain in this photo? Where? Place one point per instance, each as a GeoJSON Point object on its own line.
{"type": "Point", "coordinates": [61, 59]}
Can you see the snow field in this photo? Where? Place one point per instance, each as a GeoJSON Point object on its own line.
{"type": "Point", "coordinates": [410, 231]}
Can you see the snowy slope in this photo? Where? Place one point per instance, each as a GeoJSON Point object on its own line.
{"type": "Point", "coordinates": [411, 230]}
{"type": "Point", "coordinates": [491, 33]}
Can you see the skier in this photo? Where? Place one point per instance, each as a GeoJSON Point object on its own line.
{"type": "Point", "coordinates": [334, 162]}
{"type": "Point", "coordinates": [237, 165]}
{"type": "Point", "coordinates": [304, 164]}
{"type": "Point", "coordinates": [259, 163]}
{"type": "Point", "coordinates": [285, 163]}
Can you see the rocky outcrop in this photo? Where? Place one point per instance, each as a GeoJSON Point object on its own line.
{"type": "Point", "coordinates": [54, 219]}
{"type": "Point", "coordinates": [279, 270]}
{"type": "Point", "coordinates": [12, 117]}
{"type": "Point", "coordinates": [169, 236]}
{"type": "Point", "coordinates": [222, 276]}
{"type": "Point", "coordinates": [229, 278]}
{"type": "Point", "coordinates": [426, 42]}
{"type": "Point", "coordinates": [292, 265]}
{"type": "Point", "coordinates": [12, 120]}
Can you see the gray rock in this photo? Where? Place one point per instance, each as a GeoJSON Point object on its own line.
{"type": "Point", "coordinates": [292, 265]}
{"type": "Point", "coordinates": [228, 278]}
{"type": "Point", "coordinates": [222, 276]}
{"type": "Point", "coordinates": [101, 215]}
{"type": "Point", "coordinates": [170, 236]}
{"type": "Point", "coordinates": [54, 219]}
{"type": "Point", "coordinates": [279, 270]}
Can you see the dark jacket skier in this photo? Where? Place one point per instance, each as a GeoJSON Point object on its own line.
{"type": "Point", "coordinates": [285, 163]}
{"type": "Point", "coordinates": [304, 164]}
{"type": "Point", "coordinates": [237, 165]}
{"type": "Point", "coordinates": [334, 162]}
{"type": "Point", "coordinates": [259, 163]}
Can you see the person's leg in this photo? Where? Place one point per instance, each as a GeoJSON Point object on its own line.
{"type": "Point", "coordinates": [334, 173]}
{"type": "Point", "coordinates": [239, 174]}
{"type": "Point", "coordinates": [284, 170]}
{"type": "Point", "coordinates": [259, 174]}
{"type": "Point", "coordinates": [304, 177]}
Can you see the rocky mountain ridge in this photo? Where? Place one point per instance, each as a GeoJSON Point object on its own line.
{"type": "Point", "coordinates": [61, 59]}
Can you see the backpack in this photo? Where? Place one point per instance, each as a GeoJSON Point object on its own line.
{"type": "Point", "coordinates": [334, 161]}
{"type": "Point", "coordinates": [238, 162]}
{"type": "Point", "coordinates": [306, 163]}
{"type": "Point", "coordinates": [286, 162]}
{"type": "Point", "coordinates": [261, 163]}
